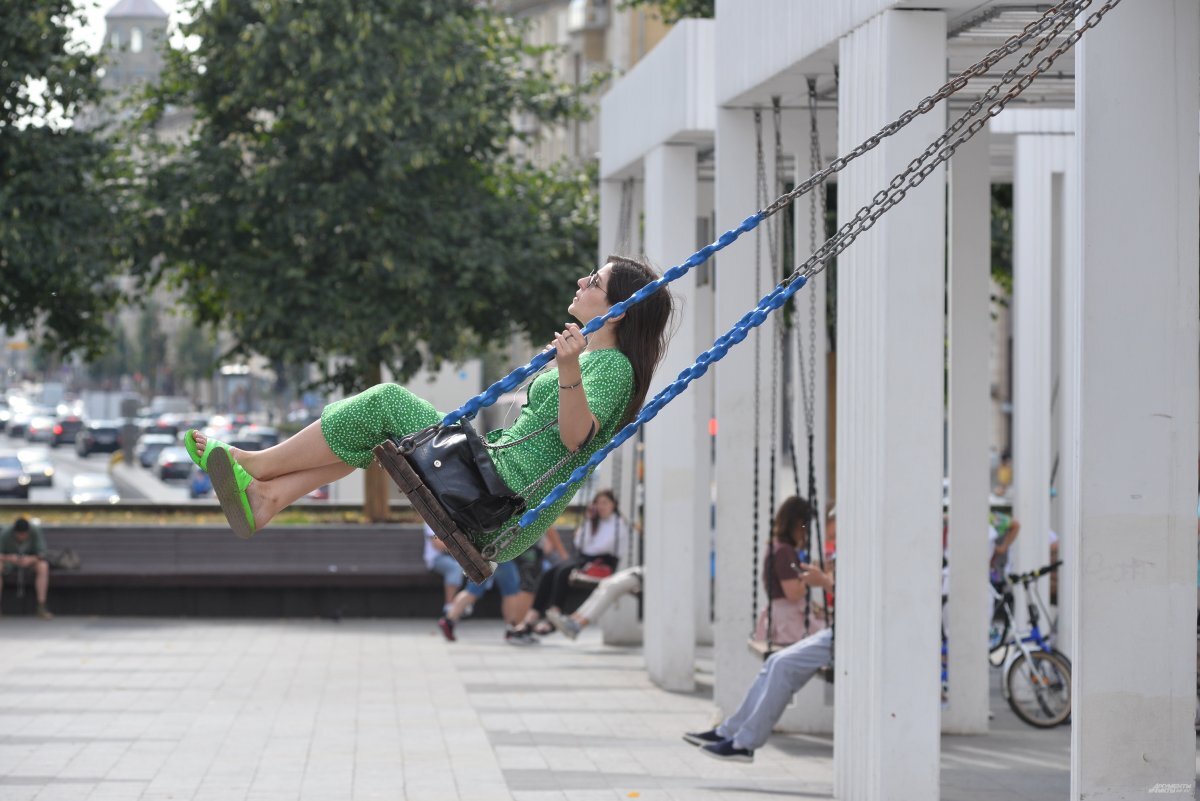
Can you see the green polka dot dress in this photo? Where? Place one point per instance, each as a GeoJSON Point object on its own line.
{"type": "Point", "coordinates": [354, 426]}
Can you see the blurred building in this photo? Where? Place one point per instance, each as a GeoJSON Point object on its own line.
{"type": "Point", "coordinates": [592, 36]}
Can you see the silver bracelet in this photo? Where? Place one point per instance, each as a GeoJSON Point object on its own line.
{"type": "Point", "coordinates": [570, 386]}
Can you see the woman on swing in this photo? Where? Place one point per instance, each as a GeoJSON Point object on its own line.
{"type": "Point", "coordinates": [598, 386]}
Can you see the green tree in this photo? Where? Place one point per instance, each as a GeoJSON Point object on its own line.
{"type": "Point", "coordinates": [348, 190]}
{"type": "Point", "coordinates": [57, 198]}
{"type": "Point", "coordinates": [674, 10]}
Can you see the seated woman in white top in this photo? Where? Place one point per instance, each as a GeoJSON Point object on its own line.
{"type": "Point", "coordinates": [595, 544]}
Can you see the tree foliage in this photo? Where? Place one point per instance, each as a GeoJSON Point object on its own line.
{"type": "Point", "coordinates": [58, 204]}
{"type": "Point", "coordinates": [672, 11]}
{"type": "Point", "coordinates": [347, 196]}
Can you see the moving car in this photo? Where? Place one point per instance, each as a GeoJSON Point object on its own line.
{"type": "Point", "coordinates": [93, 488]}
{"type": "Point", "coordinates": [13, 478]}
{"type": "Point", "coordinates": [40, 429]}
{"type": "Point", "coordinates": [65, 429]}
{"type": "Point", "coordinates": [38, 466]}
{"type": "Point", "coordinates": [174, 462]}
{"type": "Point", "coordinates": [101, 436]}
{"type": "Point", "coordinates": [150, 446]}
{"type": "Point", "coordinates": [267, 437]}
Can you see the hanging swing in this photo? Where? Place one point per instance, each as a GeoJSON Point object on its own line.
{"type": "Point", "coordinates": [397, 456]}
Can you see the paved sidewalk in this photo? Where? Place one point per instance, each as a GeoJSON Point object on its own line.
{"type": "Point", "coordinates": [150, 709]}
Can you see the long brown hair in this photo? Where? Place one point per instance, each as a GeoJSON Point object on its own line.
{"type": "Point", "coordinates": [642, 332]}
{"type": "Point", "coordinates": [794, 514]}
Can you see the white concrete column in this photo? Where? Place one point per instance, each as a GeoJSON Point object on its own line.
{"type": "Point", "coordinates": [969, 606]}
{"type": "Point", "coordinates": [701, 312]}
{"type": "Point", "coordinates": [1066, 481]}
{"type": "Point", "coordinates": [621, 625]}
{"type": "Point", "coordinates": [890, 423]}
{"type": "Point", "coordinates": [1134, 668]}
{"type": "Point", "coordinates": [812, 709]}
{"type": "Point", "coordinates": [1038, 159]}
{"type": "Point", "coordinates": [735, 380]}
{"type": "Point", "coordinates": [676, 442]}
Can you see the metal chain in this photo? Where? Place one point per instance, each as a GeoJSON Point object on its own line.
{"type": "Point", "coordinates": [921, 167]}
{"type": "Point", "coordinates": [1070, 8]}
{"type": "Point", "coordinates": [1012, 45]}
{"type": "Point", "coordinates": [755, 503]}
{"type": "Point", "coordinates": [863, 221]}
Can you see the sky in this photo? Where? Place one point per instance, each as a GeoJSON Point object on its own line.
{"type": "Point", "coordinates": [93, 33]}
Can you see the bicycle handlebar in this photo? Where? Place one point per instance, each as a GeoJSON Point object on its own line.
{"type": "Point", "coordinates": [1035, 574]}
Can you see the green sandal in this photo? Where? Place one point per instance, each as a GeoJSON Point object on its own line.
{"type": "Point", "coordinates": [229, 480]}
{"type": "Point", "coordinates": [189, 444]}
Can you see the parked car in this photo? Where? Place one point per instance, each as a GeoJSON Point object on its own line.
{"type": "Point", "coordinates": [40, 429]}
{"type": "Point", "coordinates": [150, 446]}
{"type": "Point", "coordinates": [102, 436]}
{"type": "Point", "coordinates": [199, 484]}
{"type": "Point", "coordinates": [13, 478]}
{"type": "Point", "coordinates": [245, 444]}
{"type": "Point", "coordinates": [267, 437]}
{"type": "Point", "coordinates": [174, 462]}
{"type": "Point", "coordinates": [93, 488]}
{"type": "Point", "coordinates": [65, 429]}
{"type": "Point", "coordinates": [38, 466]}
{"type": "Point", "coordinates": [321, 493]}
{"type": "Point", "coordinates": [17, 423]}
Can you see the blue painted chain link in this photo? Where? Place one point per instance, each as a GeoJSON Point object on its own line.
{"type": "Point", "coordinates": [752, 319]}
{"type": "Point", "coordinates": [514, 379]}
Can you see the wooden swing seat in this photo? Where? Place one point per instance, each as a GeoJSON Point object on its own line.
{"type": "Point", "coordinates": [458, 544]}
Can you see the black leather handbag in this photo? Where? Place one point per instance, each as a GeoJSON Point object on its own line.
{"type": "Point", "coordinates": [453, 462]}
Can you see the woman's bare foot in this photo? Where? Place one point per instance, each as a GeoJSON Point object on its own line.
{"type": "Point", "coordinates": [257, 493]}
{"type": "Point", "coordinates": [239, 456]}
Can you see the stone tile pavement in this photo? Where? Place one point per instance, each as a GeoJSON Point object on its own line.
{"type": "Point", "coordinates": [163, 710]}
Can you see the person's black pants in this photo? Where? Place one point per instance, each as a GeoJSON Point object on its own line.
{"type": "Point", "coordinates": [555, 583]}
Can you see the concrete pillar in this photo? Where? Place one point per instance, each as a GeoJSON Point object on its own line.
{"type": "Point", "coordinates": [1136, 444]}
{"type": "Point", "coordinates": [1065, 481]}
{"type": "Point", "coordinates": [812, 710]}
{"type": "Point", "coordinates": [1038, 159]}
{"type": "Point", "coordinates": [676, 441]}
{"type": "Point", "coordinates": [735, 380]}
{"type": "Point", "coordinates": [969, 606]}
{"type": "Point", "coordinates": [620, 625]}
{"type": "Point", "coordinates": [890, 423]}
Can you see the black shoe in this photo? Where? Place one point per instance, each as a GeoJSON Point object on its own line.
{"type": "Point", "coordinates": [725, 752]}
{"type": "Point", "coordinates": [520, 636]}
{"type": "Point", "coordinates": [447, 627]}
{"type": "Point", "coordinates": [703, 737]}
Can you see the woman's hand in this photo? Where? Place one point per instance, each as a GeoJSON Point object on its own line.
{"type": "Point", "coordinates": [814, 576]}
{"type": "Point", "coordinates": [568, 344]}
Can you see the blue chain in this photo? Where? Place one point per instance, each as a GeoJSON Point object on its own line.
{"type": "Point", "coordinates": [752, 319]}
{"type": "Point", "coordinates": [514, 379]}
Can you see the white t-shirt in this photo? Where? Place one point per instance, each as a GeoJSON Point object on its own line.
{"type": "Point", "coordinates": [600, 538]}
{"type": "Point", "coordinates": [431, 553]}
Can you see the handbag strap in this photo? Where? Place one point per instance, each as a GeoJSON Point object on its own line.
{"type": "Point", "coordinates": [507, 536]}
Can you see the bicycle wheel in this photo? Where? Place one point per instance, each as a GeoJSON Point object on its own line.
{"type": "Point", "coordinates": [998, 642]}
{"type": "Point", "coordinates": [1039, 689]}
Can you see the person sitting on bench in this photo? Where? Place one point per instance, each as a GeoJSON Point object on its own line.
{"type": "Point", "coordinates": [607, 593]}
{"type": "Point", "coordinates": [596, 542]}
{"type": "Point", "coordinates": [599, 386]}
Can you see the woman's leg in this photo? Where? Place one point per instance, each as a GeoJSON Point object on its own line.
{"type": "Point", "coordinates": [347, 433]}
{"type": "Point", "coordinates": [268, 498]}
{"type": "Point", "coordinates": [606, 594]}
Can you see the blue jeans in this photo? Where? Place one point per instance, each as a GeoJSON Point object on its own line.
{"type": "Point", "coordinates": [506, 578]}
{"type": "Point", "coordinates": [781, 677]}
{"type": "Point", "coordinates": [450, 571]}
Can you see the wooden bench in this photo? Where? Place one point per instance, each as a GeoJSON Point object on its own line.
{"type": "Point", "coordinates": [286, 570]}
